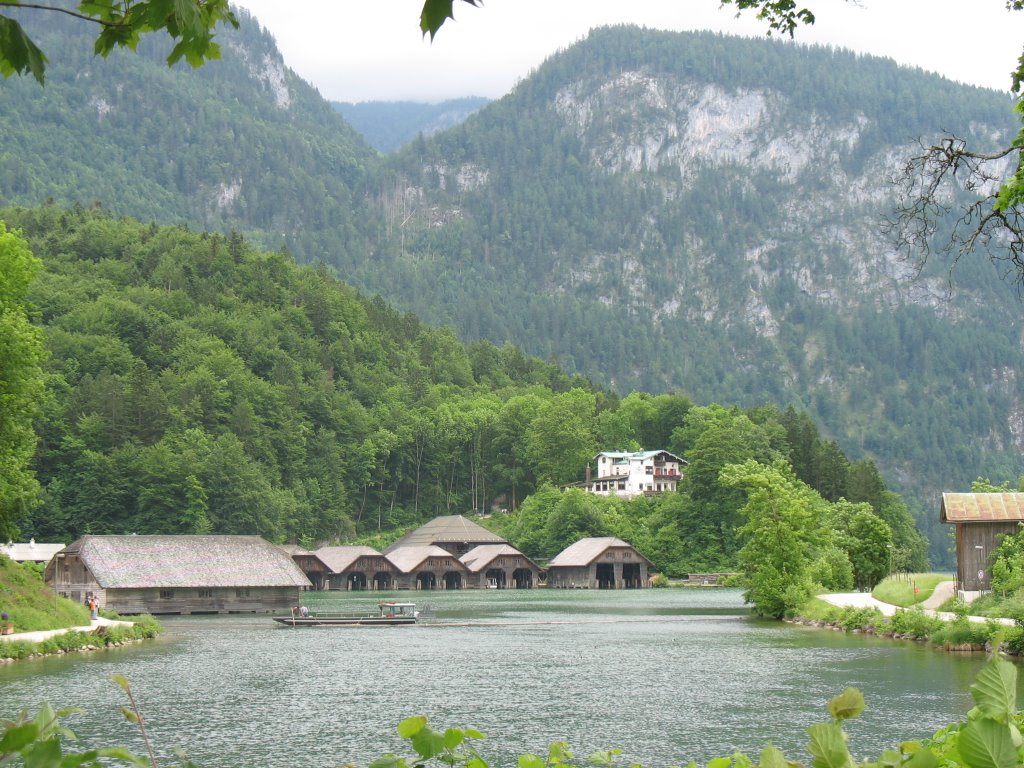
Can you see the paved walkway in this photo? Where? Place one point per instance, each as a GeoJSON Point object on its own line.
{"type": "Point", "coordinates": [865, 600]}
{"type": "Point", "coordinates": [45, 634]}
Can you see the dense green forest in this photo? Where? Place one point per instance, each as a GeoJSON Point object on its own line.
{"type": "Point", "coordinates": [197, 384]}
{"type": "Point", "coordinates": [585, 219]}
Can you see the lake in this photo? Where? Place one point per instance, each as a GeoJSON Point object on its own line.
{"type": "Point", "coordinates": [667, 675]}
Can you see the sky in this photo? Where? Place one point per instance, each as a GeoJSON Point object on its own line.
{"type": "Point", "coordinates": [373, 50]}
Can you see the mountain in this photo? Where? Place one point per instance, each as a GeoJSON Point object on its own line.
{"type": "Point", "coordinates": [703, 213]}
{"type": "Point", "coordinates": [387, 125]}
{"type": "Point", "coordinates": [241, 143]}
{"type": "Point", "coordinates": [681, 212]}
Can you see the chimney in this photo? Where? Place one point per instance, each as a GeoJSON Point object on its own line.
{"type": "Point", "coordinates": [588, 473]}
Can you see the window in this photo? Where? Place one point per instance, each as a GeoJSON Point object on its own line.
{"type": "Point", "coordinates": [241, 593]}
{"type": "Point", "coordinates": [166, 594]}
{"type": "Point", "coordinates": [205, 593]}
{"type": "Point", "coordinates": [649, 470]}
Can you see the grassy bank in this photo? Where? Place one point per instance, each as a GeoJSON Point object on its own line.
{"type": "Point", "coordinates": [141, 628]}
{"type": "Point", "coordinates": [908, 589]}
{"type": "Point", "coordinates": [33, 606]}
{"type": "Point", "coordinates": [961, 634]}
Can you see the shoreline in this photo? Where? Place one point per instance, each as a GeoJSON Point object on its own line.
{"type": "Point", "coordinates": [100, 634]}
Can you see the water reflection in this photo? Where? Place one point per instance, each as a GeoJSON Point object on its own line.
{"type": "Point", "coordinates": [668, 675]}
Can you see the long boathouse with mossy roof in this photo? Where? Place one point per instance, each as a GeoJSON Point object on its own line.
{"type": "Point", "coordinates": [178, 574]}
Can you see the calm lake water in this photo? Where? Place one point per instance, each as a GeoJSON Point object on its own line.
{"type": "Point", "coordinates": [666, 675]}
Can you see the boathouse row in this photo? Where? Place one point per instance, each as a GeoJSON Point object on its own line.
{"type": "Point", "coordinates": [599, 563]}
{"type": "Point", "coordinates": [495, 566]}
{"type": "Point", "coordinates": [177, 574]}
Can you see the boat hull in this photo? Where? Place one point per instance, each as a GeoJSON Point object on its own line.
{"type": "Point", "coordinates": [343, 621]}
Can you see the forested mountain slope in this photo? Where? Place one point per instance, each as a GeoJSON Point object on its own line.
{"type": "Point", "coordinates": [658, 211]}
{"type": "Point", "coordinates": [195, 384]}
{"type": "Point", "coordinates": [240, 143]}
{"type": "Point", "coordinates": [692, 211]}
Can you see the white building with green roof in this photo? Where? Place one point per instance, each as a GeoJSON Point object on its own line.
{"type": "Point", "coordinates": [618, 473]}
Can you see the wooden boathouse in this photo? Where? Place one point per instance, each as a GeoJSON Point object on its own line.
{"type": "Point", "coordinates": [979, 521]}
{"type": "Point", "coordinates": [599, 563]}
{"type": "Point", "coordinates": [455, 533]}
{"type": "Point", "coordinates": [428, 567]}
{"type": "Point", "coordinates": [356, 568]}
{"type": "Point", "coordinates": [177, 574]}
{"type": "Point", "coordinates": [500, 566]}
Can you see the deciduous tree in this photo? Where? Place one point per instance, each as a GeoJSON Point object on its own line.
{"type": "Point", "coordinates": [21, 379]}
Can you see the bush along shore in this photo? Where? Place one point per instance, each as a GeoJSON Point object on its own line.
{"type": "Point", "coordinates": [98, 639]}
{"type": "Point", "coordinates": [958, 635]}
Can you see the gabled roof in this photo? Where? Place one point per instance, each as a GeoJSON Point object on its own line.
{"type": "Point", "coordinates": [338, 559]}
{"type": "Point", "coordinates": [625, 456]}
{"type": "Point", "coordinates": [482, 555]}
{"type": "Point", "coordinates": [981, 507]}
{"type": "Point", "coordinates": [31, 552]}
{"type": "Point", "coordinates": [449, 528]}
{"type": "Point", "coordinates": [585, 551]}
{"type": "Point", "coordinates": [186, 561]}
{"type": "Point", "coordinates": [408, 559]}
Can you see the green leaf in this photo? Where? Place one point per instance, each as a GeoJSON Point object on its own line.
{"type": "Point", "coordinates": [388, 761]}
{"type": "Point", "coordinates": [121, 680]}
{"type": "Point", "coordinates": [719, 762]}
{"type": "Point", "coordinates": [428, 743]}
{"type": "Point", "coordinates": [922, 758]}
{"type": "Point", "coordinates": [411, 726]}
{"type": "Point", "coordinates": [434, 14]}
{"type": "Point", "coordinates": [130, 715]}
{"type": "Point", "coordinates": [476, 762]}
{"type": "Point", "coordinates": [772, 757]}
{"type": "Point", "coordinates": [531, 761]}
{"type": "Point", "coordinates": [847, 704]}
{"type": "Point", "coordinates": [43, 754]}
{"type": "Point", "coordinates": [604, 758]}
{"type": "Point", "coordinates": [18, 54]}
{"type": "Point", "coordinates": [995, 689]}
{"type": "Point", "coordinates": [987, 744]}
{"type": "Point", "coordinates": [828, 745]}
{"type": "Point", "coordinates": [453, 737]}
{"type": "Point", "coordinates": [18, 737]}
{"type": "Point", "coordinates": [473, 733]}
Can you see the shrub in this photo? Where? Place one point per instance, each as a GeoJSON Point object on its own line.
{"type": "Point", "coordinates": [915, 623]}
{"type": "Point", "coordinates": [860, 618]}
{"type": "Point", "coordinates": [961, 631]}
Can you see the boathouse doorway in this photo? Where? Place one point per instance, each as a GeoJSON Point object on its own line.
{"type": "Point", "coordinates": [426, 580]}
{"type": "Point", "coordinates": [382, 580]}
{"type": "Point", "coordinates": [453, 580]}
{"type": "Point", "coordinates": [356, 581]}
{"type": "Point", "coordinates": [495, 578]}
{"type": "Point", "coordinates": [631, 576]}
{"type": "Point", "coordinates": [522, 578]}
{"type": "Point", "coordinates": [605, 576]}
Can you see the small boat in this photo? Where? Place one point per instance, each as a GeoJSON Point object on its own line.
{"type": "Point", "coordinates": [391, 613]}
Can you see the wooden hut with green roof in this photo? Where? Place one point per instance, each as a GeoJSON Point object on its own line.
{"type": "Point", "coordinates": [980, 520]}
{"type": "Point", "coordinates": [178, 574]}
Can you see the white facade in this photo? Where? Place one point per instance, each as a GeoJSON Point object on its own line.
{"type": "Point", "coordinates": [631, 474]}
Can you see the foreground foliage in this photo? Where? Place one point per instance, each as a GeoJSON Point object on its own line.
{"type": "Point", "coordinates": [989, 738]}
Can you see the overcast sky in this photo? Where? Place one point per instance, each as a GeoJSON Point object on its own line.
{"type": "Point", "coordinates": [374, 51]}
